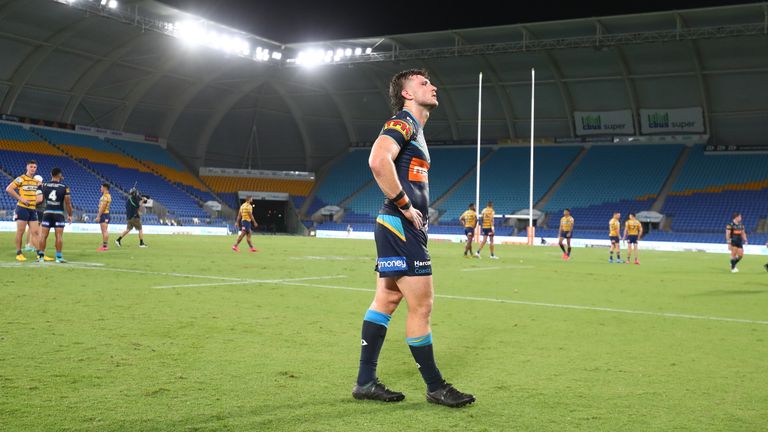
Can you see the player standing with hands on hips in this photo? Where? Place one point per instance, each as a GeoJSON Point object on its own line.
{"type": "Point", "coordinates": [400, 161]}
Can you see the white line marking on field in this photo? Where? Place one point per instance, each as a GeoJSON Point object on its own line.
{"type": "Point", "coordinates": [555, 305]}
{"type": "Point", "coordinates": [447, 296]}
{"type": "Point", "coordinates": [498, 268]}
{"type": "Point", "coordinates": [249, 281]}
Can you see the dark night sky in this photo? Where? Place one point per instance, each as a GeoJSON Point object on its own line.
{"type": "Point", "coordinates": [291, 21]}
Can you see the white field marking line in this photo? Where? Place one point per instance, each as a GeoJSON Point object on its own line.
{"type": "Point", "coordinates": [111, 269]}
{"type": "Point", "coordinates": [554, 305]}
{"type": "Point", "coordinates": [249, 281]}
{"type": "Point", "coordinates": [498, 268]}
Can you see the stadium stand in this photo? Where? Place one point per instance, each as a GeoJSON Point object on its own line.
{"type": "Point", "coordinates": [124, 171]}
{"type": "Point", "coordinates": [504, 180]}
{"type": "Point", "coordinates": [613, 177]}
{"type": "Point", "coordinates": [345, 177]}
{"type": "Point", "coordinates": [17, 146]}
{"type": "Point", "coordinates": [712, 186]}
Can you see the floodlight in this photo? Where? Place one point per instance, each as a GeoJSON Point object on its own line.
{"type": "Point", "coordinates": [348, 52]}
{"type": "Point", "coordinates": [358, 51]}
{"type": "Point", "coordinates": [112, 4]}
{"type": "Point", "coordinates": [277, 55]}
{"type": "Point", "coordinates": [368, 50]}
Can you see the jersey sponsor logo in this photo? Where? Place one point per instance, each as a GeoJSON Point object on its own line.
{"type": "Point", "coordinates": [422, 267]}
{"type": "Point", "coordinates": [392, 264]}
{"type": "Point", "coordinates": [417, 171]}
{"type": "Point", "coordinates": [400, 126]}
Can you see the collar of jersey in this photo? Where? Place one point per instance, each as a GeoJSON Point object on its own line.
{"type": "Point", "coordinates": [412, 116]}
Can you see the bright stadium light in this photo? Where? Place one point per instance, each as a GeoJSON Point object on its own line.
{"type": "Point", "coordinates": [368, 50]}
{"type": "Point", "coordinates": [103, 2]}
{"type": "Point", "coordinates": [358, 51]}
{"type": "Point", "coordinates": [277, 55]}
{"type": "Point", "coordinates": [348, 52]}
{"type": "Point", "coordinates": [112, 4]}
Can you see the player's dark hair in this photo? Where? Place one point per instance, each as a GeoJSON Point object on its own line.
{"type": "Point", "coordinates": [106, 185]}
{"type": "Point", "coordinates": [471, 204]}
{"type": "Point", "coordinates": [632, 214]}
{"type": "Point", "coordinates": [490, 203]}
{"type": "Point", "coordinates": [31, 161]}
{"type": "Point", "coordinates": [568, 210]}
{"type": "Point", "coordinates": [735, 215]}
{"type": "Point", "coordinates": [396, 100]}
{"type": "Point", "coordinates": [55, 172]}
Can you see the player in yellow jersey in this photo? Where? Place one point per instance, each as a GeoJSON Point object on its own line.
{"type": "Point", "coordinates": [633, 230]}
{"type": "Point", "coordinates": [614, 232]}
{"type": "Point", "coordinates": [469, 219]}
{"type": "Point", "coordinates": [102, 218]}
{"type": "Point", "coordinates": [566, 232]}
{"type": "Point", "coordinates": [25, 214]}
{"type": "Point", "coordinates": [247, 223]}
{"type": "Point", "coordinates": [486, 220]}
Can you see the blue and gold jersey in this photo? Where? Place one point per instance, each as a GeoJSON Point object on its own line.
{"type": "Point", "coordinates": [633, 227]}
{"type": "Point", "coordinates": [26, 187]}
{"type": "Point", "coordinates": [486, 217]}
{"type": "Point", "coordinates": [566, 223]}
{"type": "Point", "coordinates": [106, 200]}
{"type": "Point", "coordinates": [411, 163]}
{"type": "Point", "coordinates": [246, 212]}
{"type": "Point", "coordinates": [53, 194]}
{"type": "Point", "coordinates": [614, 226]}
{"type": "Point", "coordinates": [470, 218]}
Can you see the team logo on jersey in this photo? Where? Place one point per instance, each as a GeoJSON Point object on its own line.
{"type": "Point", "coordinates": [417, 171]}
{"type": "Point", "coordinates": [399, 125]}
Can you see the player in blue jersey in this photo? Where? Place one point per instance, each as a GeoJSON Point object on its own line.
{"type": "Point", "coordinates": [57, 199]}
{"type": "Point", "coordinates": [400, 161]}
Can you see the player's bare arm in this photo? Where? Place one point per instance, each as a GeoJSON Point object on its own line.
{"type": "Point", "coordinates": [11, 189]}
{"type": "Point", "coordinates": [68, 204]}
{"type": "Point", "coordinates": [382, 164]}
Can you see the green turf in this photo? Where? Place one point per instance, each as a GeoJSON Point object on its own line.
{"type": "Point", "coordinates": [96, 349]}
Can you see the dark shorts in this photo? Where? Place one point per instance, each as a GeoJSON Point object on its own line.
{"type": "Point", "coordinates": [104, 219]}
{"type": "Point", "coordinates": [469, 231]}
{"type": "Point", "coordinates": [40, 214]}
{"type": "Point", "coordinates": [737, 243]}
{"type": "Point", "coordinates": [488, 232]}
{"type": "Point", "coordinates": [25, 214]}
{"type": "Point", "coordinates": [245, 226]}
{"type": "Point", "coordinates": [614, 239]}
{"type": "Point", "coordinates": [566, 234]}
{"type": "Point", "coordinates": [401, 249]}
{"type": "Point", "coordinates": [632, 239]}
{"type": "Point", "coordinates": [52, 220]}
{"type": "Point", "coordinates": [133, 223]}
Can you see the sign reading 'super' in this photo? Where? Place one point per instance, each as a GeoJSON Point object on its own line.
{"type": "Point", "coordinates": [685, 120]}
{"type": "Point", "coordinates": [604, 122]}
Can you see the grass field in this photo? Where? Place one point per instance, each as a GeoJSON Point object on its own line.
{"type": "Point", "coordinates": [187, 335]}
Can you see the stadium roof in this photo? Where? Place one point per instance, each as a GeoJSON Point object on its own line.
{"type": "Point", "coordinates": [125, 73]}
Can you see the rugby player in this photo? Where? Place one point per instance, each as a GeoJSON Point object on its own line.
{"type": "Point", "coordinates": [102, 218]}
{"type": "Point", "coordinates": [614, 229]}
{"type": "Point", "coordinates": [247, 223]}
{"type": "Point", "coordinates": [56, 196]}
{"type": "Point", "coordinates": [469, 220]}
{"type": "Point", "coordinates": [399, 162]}
{"type": "Point", "coordinates": [486, 218]}
{"type": "Point", "coordinates": [25, 214]}
{"type": "Point", "coordinates": [565, 233]}
{"type": "Point", "coordinates": [633, 230]}
{"type": "Point", "coordinates": [736, 237]}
